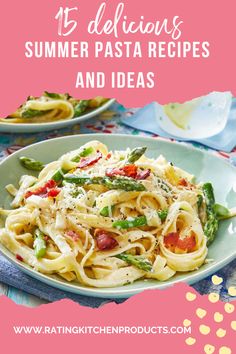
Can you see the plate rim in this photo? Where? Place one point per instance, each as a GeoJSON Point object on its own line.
{"type": "Point", "coordinates": [60, 123]}
{"type": "Point", "coordinates": [111, 293]}
{"type": "Point", "coordinates": [186, 144]}
{"type": "Point", "coordinates": [114, 292]}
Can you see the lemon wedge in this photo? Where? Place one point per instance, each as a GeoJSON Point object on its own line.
{"type": "Point", "coordinates": [181, 113]}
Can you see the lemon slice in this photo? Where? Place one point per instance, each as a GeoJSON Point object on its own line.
{"type": "Point", "coordinates": [181, 113]}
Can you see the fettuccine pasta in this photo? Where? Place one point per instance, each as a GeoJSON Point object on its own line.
{"type": "Point", "coordinates": [52, 107]}
{"type": "Point", "coordinates": [107, 218]}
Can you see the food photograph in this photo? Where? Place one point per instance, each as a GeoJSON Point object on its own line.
{"type": "Point", "coordinates": [97, 205]}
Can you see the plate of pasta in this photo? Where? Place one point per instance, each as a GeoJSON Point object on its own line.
{"type": "Point", "coordinates": [113, 215]}
{"type": "Point", "coordinates": [52, 111]}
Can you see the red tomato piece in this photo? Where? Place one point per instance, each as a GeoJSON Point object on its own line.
{"type": "Point", "coordinates": [50, 184]}
{"type": "Point", "coordinates": [53, 192]}
{"type": "Point", "coordinates": [188, 243]}
{"type": "Point", "coordinates": [28, 194]}
{"type": "Point", "coordinates": [143, 174]}
{"type": "Point", "coordinates": [173, 240]}
{"type": "Point", "coordinates": [128, 171]}
{"type": "Point", "coordinates": [19, 258]}
{"type": "Point", "coordinates": [85, 162]}
{"type": "Point", "coordinates": [183, 182]}
{"type": "Point", "coordinates": [108, 156]}
{"type": "Point", "coordinates": [44, 190]}
{"type": "Point", "coordinates": [105, 241]}
{"type": "Point", "coordinates": [73, 235]}
{"type": "Point", "coordinates": [111, 172]}
{"type": "Point", "coordinates": [41, 191]}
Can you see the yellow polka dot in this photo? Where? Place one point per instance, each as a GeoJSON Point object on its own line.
{"type": "Point", "coordinates": [225, 350]}
{"type": "Point", "coordinates": [204, 329]}
{"type": "Point", "coordinates": [213, 297]}
{"type": "Point", "coordinates": [232, 291]}
{"type": "Point", "coordinates": [187, 323]}
{"type": "Point", "coordinates": [190, 341]}
{"type": "Point", "coordinates": [201, 313]}
{"type": "Point", "coordinates": [218, 317]}
{"type": "Point", "coordinates": [216, 280]}
{"type": "Point", "coordinates": [209, 349]}
{"type": "Point", "coordinates": [229, 308]}
{"type": "Point", "coordinates": [190, 296]}
{"type": "Point", "coordinates": [233, 325]}
{"type": "Point", "coordinates": [220, 332]}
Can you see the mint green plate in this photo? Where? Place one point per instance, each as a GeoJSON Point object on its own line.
{"type": "Point", "coordinates": [204, 166]}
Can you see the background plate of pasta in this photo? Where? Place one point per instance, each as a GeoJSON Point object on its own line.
{"type": "Point", "coordinates": [112, 215]}
{"type": "Point", "coordinates": [52, 111]}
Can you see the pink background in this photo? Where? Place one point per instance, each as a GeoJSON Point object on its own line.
{"type": "Point", "coordinates": [150, 308]}
{"type": "Point", "coordinates": [177, 79]}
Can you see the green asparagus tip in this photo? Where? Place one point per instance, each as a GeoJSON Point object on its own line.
{"type": "Point", "coordinates": [135, 154]}
{"type": "Point", "coordinates": [221, 211]}
{"type": "Point", "coordinates": [137, 261]}
{"type": "Point", "coordinates": [39, 244]}
{"type": "Point", "coordinates": [31, 164]}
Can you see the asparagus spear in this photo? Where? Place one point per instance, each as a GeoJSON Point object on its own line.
{"type": "Point", "coordinates": [80, 108]}
{"type": "Point", "coordinates": [35, 165]}
{"type": "Point", "coordinates": [106, 210]}
{"type": "Point", "coordinates": [123, 183]}
{"type": "Point", "coordinates": [135, 154]}
{"type": "Point", "coordinates": [163, 185]}
{"type": "Point", "coordinates": [199, 201]}
{"type": "Point", "coordinates": [31, 164]}
{"type": "Point", "coordinates": [39, 244]}
{"type": "Point", "coordinates": [212, 223]}
{"type": "Point", "coordinates": [79, 180]}
{"type": "Point", "coordinates": [162, 214]}
{"type": "Point", "coordinates": [84, 153]}
{"type": "Point", "coordinates": [56, 96]}
{"type": "Point", "coordinates": [222, 212]}
{"type": "Point", "coordinates": [211, 227]}
{"type": "Point", "coordinates": [209, 194]}
{"type": "Point", "coordinates": [58, 175]}
{"type": "Point", "coordinates": [31, 113]}
{"type": "Point", "coordinates": [126, 224]}
{"type": "Point", "coordinates": [137, 261]}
